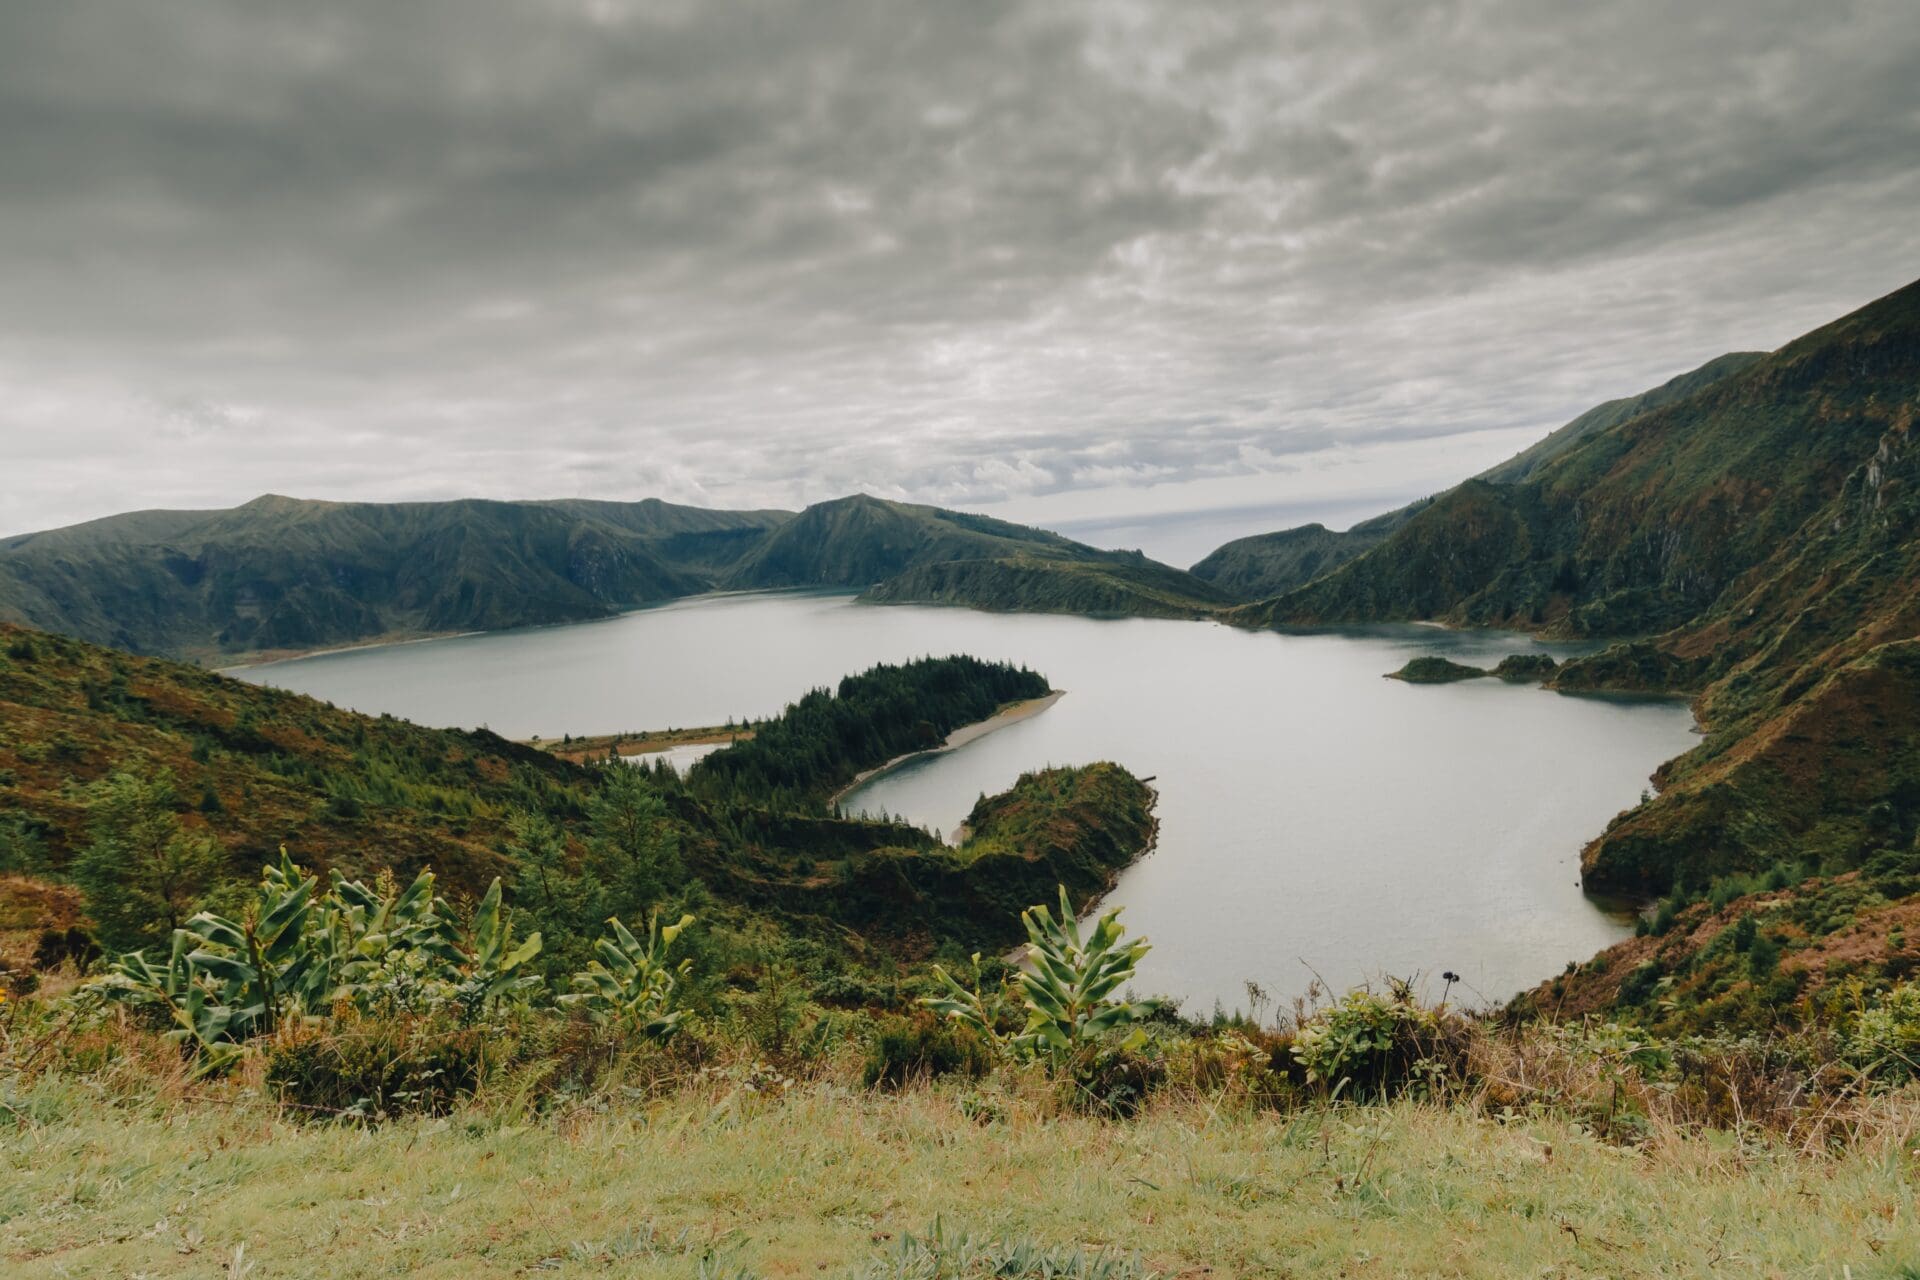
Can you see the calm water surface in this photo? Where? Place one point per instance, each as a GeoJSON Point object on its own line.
{"type": "Point", "coordinates": [1314, 818]}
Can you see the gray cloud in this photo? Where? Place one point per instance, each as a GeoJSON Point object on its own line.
{"type": "Point", "coordinates": [771, 252]}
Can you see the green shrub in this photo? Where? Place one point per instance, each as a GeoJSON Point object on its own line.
{"type": "Point", "coordinates": [1640, 982]}
{"type": "Point", "coordinates": [1373, 1046]}
{"type": "Point", "coordinates": [58, 946]}
{"type": "Point", "coordinates": [376, 1070]}
{"type": "Point", "coordinates": [1115, 1078]}
{"type": "Point", "coordinates": [1885, 1040]}
{"type": "Point", "coordinates": [923, 1048]}
{"type": "Point", "coordinates": [23, 845]}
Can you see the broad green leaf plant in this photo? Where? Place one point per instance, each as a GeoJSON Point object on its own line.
{"type": "Point", "coordinates": [632, 983]}
{"type": "Point", "coordinates": [297, 953]}
{"type": "Point", "coordinates": [1067, 987]}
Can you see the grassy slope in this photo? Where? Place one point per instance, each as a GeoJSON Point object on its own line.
{"type": "Point", "coordinates": [1643, 525]}
{"type": "Point", "coordinates": [907, 554]}
{"type": "Point", "coordinates": [824, 1182]}
{"type": "Point", "coordinates": [1614, 412]}
{"type": "Point", "coordinates": [1268, 564]}
{"type": "Point", "coordinates": [861, 540]}
{"type": "Point", "coordinates": [70, 712]}
{"type": "Point", "coordinates": [1835, 938]}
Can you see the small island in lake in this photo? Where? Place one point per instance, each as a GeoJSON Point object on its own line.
{"type": "Point", "coordinates": [1519, 668]}
{"type": "Point", "coordinates": [1431, 670]}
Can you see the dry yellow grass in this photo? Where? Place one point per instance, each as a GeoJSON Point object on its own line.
{"type": "Point", "coordinates": [718, 1180]}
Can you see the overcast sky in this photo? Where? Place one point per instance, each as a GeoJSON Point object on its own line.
{"type": "Point", "coordinates": [1057, 260]}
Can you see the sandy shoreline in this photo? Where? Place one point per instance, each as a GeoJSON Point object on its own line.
{"type": "Point", "coordinates": [1012, 713]}
{"type": "Point", "coordinates": [639, 742]}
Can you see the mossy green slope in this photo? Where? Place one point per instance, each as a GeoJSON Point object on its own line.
{"type": "Point", "coordinates": [1643, 525]}
{"type": "Point", "coordinates": [1273, 564]}
{"type": "Point", "coordinates": [1763, 534]}
{"type": "Point", "coordinates": [257, 768]}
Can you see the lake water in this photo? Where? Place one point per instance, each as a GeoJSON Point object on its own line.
{"type": "Point", "coordinates": [1315, 819]}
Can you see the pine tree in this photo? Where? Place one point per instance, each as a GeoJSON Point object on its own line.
{"type": "Point", "coordinates": [142, 874]}
{"type": "Point", "coordinates": [633, 852]}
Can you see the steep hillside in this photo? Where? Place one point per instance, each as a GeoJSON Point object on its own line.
{"type": "Point", "coordinates": [1756, 954]}
{"type": "Point", "coordinates": [254, 769]}
{"type": "Point", "coordinates": [1641, 526]}
{"type": "Point", "coordinates": [1763, 533]}
{"type": "Point", "coordinates": [1273, 564]}
{"type": "Point", "coordinates": [1613, 412]}
{"type": "Point", "coordinates": [907, 554]}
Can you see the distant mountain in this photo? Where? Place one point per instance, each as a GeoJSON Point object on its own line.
{"type": "Point", "coordinates": [1763, 532]}
{"type": "Point", "coordinates": [1272, 564]}
{"type": "Point", "coordinates": [860, 541]}
{"type": "Point", "coordinates": [1117, 584]}
{"type": "Point", "coordinates": [1269, 564]}
{"type": "Point", "coordinates": [283, 574]}
{"type": "Point", "coordinates": [907, 554]}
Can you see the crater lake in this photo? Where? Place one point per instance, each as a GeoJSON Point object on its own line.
{"type": "Point", "coordinates": [1318, 823]}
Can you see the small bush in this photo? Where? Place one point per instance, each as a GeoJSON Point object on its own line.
{"type": "Point", "coordinates": [1885, 1040]}
{"type": "Point", "coordinates": [1373, 1047]}
{"type": "Point", "coordinates": [58, 946]}
{"type": "Point", "coordinates": [1114, 1079]}
{"type": "Point", "coordinates": [374, 1071]}
{"type": "Point", "coordinates": [923, 1048]}
{"type": "Point", "coordinates": [1640, 982]}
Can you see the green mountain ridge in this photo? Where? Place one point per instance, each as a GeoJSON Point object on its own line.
{"type": "Point", "coordinates": [1271, 564]}
{"type": "Point", "coordinates": [1116, 584]}
{"type": "Point", "coordinates": [1761, 533]}
{"type": "Point", "coordinates": [283, 574]}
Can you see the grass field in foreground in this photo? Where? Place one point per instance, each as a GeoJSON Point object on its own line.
{"type": "Point", "coordinates": [720, 1181]}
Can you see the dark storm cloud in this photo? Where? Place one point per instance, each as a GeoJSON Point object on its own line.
{"type": "Point", "coordinates": [761, 252]}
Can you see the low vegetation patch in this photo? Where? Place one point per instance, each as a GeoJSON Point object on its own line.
{"type": "Point", "coordinates": [1435, 670]}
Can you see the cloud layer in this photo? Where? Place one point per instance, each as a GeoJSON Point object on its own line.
{"type": "Point", "coordinates": [983, 253]}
